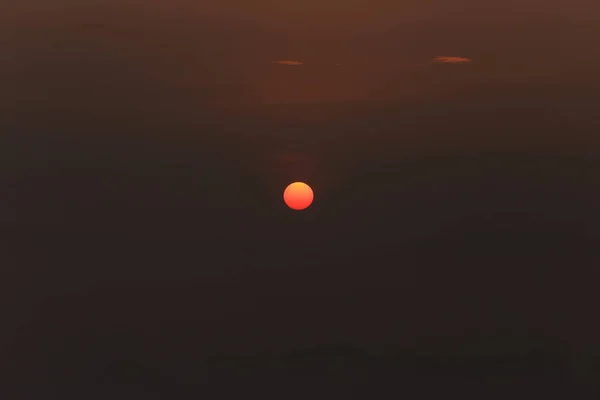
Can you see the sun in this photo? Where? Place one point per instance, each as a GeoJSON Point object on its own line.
{"type": "Point", "coordinates": [298, 196]}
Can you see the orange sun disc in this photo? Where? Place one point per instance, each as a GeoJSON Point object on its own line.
{"type": "Point", "coordinates": [298, 196]}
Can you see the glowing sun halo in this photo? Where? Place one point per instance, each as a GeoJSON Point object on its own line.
{"type": "Point", "coordinates": [298, 196]}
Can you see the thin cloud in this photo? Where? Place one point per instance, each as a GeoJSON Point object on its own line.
{"type": "Point", "coordinates": [289, 62]}
{"type": "Point", "coordinates": [451, 60]}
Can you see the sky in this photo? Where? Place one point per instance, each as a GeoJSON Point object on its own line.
{"type": "Point", "coordinates": [383, 49]}
{"type": "Point", "coordinates": [452, 147]}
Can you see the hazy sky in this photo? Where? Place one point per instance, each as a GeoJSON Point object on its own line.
{"type": "Point", "coordinates": [223, 51]}
{"type": "Point", "coordinates": [155, 137]}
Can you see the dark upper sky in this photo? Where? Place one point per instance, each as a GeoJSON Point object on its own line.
{"type": "Point", "coordinates": [452, 146]}
{"type": "Point", "coordinates": [223, 53]}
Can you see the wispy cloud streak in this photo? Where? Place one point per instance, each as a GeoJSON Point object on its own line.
{"type": "Point", "coordinates": [451, 60]}
{"type": "Point", "coordinates": [289, 62]}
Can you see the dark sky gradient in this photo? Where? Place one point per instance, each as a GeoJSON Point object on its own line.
{"type": "Point", "coordinates": [145, 147]}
